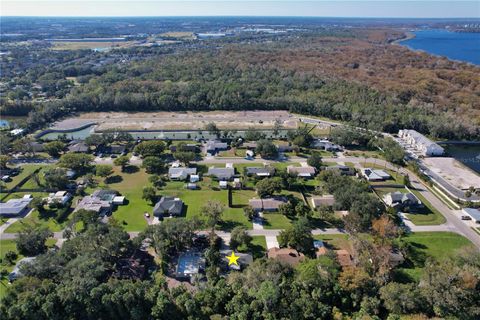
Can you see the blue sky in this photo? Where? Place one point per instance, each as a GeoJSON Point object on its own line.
{"type": "Point", "coordinates": [322, 8]}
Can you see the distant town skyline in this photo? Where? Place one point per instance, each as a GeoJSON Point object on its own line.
{"type": "Point", "coordinates": [312, 8]}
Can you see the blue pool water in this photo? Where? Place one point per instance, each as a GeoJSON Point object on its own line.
{"type": "Point", "coordinates": [460, 46]}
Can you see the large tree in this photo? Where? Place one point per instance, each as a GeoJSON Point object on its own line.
{"type": "Point", "coordinates": [54, 148]}
{"type": "Point", "coordinates": [298, 236]}
{"type": "Point", "coordinates": [75, 161]}
{"type": "Point", "coordinates": [266, 149]}
{"type": "Point", "coordinates": [31, 240]}
{"type": "Point", "coordinates": [150, 148]}
{"type": "Point", "coordinates": [212, 211]}
{"type": "Point", "coordinates": [268, 187]}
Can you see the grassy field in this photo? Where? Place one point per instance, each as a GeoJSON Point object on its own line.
{"type": "Point", "coordinates": [435, 245]}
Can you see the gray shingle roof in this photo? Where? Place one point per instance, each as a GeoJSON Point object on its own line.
{"type": "Point", "coordinates": [170, 205]}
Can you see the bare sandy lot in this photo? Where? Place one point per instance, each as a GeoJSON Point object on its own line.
{"type": "Point", "coordinates": [182, 120]}
{"type": "Point", "coordinates": [454, 172]}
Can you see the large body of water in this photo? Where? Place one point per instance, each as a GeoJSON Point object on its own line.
{"type": "Point", "coordinates": [460, 46]}
{"type": "Point", "coordinates": [469, 155]}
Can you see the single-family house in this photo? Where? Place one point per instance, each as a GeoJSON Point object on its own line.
{"type": "Point", "coordinates": [401, 200]}
{"type": "Point", "coordinates": [244, 260]}
{"type": "Point", "coordinates": [304, 171]}
{"type": "Point", "coordinates": [214, 146]}
{"type": "Point", "coordinates": [60, 197]}
{"type": "Point", "coordinates": [267, 204]}
{"type": "Point", "coordinates": [286, 255]}
{"type": "Point", "coordinates": [221, 173]}
{"type": "Point", "coordinates": [327, 200]}
{"type": "Point", "coordinates": [15, 207]}
{"type": "Point", "coordinates": [78, 147]}
{"type": "Point", "coordinates": [101, 202]}
{"type": "Point", "coordinates": [375, 174]}
{"type": "Point", "coordinates": [260, 171]}
{"type": "Point", "coordinates": [168, 206]}
{"type": "Point", "coordinates": [326, 145]}
{"type": "Point", "coordinates": [181, 173]}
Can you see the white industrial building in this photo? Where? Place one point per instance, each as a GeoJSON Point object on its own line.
{"type": "Point", "coordinates": [421, 143]}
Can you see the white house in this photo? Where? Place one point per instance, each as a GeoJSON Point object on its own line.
{"type": "Point", "coordinates": [61, 197]}
{"type": "Point", "coordinates": [375, 174]}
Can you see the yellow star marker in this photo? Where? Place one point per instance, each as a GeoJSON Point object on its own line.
{"type": "Point", "coordinates": [232, 259]}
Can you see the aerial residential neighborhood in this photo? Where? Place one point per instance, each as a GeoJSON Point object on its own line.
{"type": "Point", "coordinates": [242, 165]}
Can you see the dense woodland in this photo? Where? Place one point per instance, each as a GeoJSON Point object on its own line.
{"type": "Point", "coordinates": [81, 281]}
{"type": "Point", "coordinates": [355, 76]}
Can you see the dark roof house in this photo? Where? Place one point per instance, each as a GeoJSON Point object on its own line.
{"type": "Point", "coordinates": [78, 147]}
{"type": "Point", "coordinates": [168, 206]}
{"type": "Point", "coordinates": [221, 173]}
{"type": "Point", "coordinates": [260, 171]}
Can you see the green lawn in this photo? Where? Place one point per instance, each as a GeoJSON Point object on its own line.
{"type": "Point", "coordinates": [195, 199]}
{"type": "Point", "coordinates": [35, 219]}
{"type": "Point", "coordinates": [275, 221]}
{"type": "Point", "coordinates": [131, 216]}
{"type": "Point", "coordinates": [428, 216]}
{"type": "Point", "coordinates": [257, 247]}
{"type": "Point", "coordinates": [26, 170]}
{"type": "Point", "coordinates": [383, 191]}
{"type": "Point", "coordinates": [234, 152]}
{"type": "Point", "coordinates": [436, 245]}
{"type": "Point", "coordinates": [335, 241]}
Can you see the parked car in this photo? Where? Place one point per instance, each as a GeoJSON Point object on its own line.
{"type": "Point", "coordinates": [466, 218]}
